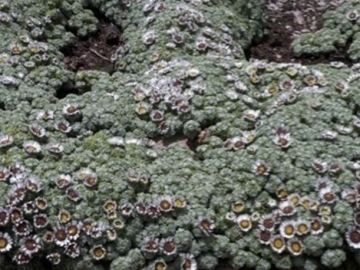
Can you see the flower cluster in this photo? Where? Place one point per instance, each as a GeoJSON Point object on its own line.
{"type": "Point", "coordinates": [27, 229]}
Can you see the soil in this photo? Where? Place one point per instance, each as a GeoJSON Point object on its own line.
{"type": "Point", "coordinates": [96, 50]}
{"type": "Point", "coordinates": [285, 20]}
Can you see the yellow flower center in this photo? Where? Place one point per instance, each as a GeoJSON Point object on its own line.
{"type": "Point", "coordinates": [165, 205]}
{"type": "Point", "coordinates": [99, 252]}
{"type": "Point", "coordinates": [238, 207]}
{"type": "Point", "coordinates": [179, 203]}
{"type": "Point", "coordinates": [295, 247]}
{"type": "Point", "coordinates": [160, 266]}
{"type": "Point", "coordinates": [302, 228]}
{"type": "Point", "coordinates": [3, 243]}
{"type": "Point", "coordinates": [278, 243]}
{"type": "Point", "coordinates": [289, 230]}
{"type": "Point", "coordinates": [245, 224]}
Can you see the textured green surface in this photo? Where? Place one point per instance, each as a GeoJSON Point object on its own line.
{"type": "Point", "coordinates": [234, 106]}
{"type": "Point", "coordinates": [340, 29]}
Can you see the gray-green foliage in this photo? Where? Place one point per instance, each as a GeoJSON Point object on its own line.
{"type": "Point", "coordinates": [263, 132]}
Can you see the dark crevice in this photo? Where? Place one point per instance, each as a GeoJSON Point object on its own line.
{"type": "Point", "coordinates": [67, 89]}
{"type": "Point", "coordinates": [179, 139]}
{"type": "Point", "coordinates": [282, 23]}
{"type": "Point", "coordinates": [94, 52]}
{"type": "Point", "coordinates": [356, 110]}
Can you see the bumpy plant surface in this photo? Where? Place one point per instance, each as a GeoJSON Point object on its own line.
{"type": "Point", "coordinates": [136, 135]}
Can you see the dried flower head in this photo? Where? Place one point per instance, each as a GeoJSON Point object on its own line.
{"type": "Point", "coordinates": [168, 246]}
{"type": "Point", "coordinates": [55, 148]}
{"type": "Point", "coordinates": [73, 194]}
{"type": "Point", "coordinates": [264, 236]}
{"type": "Point", "coordinates": [165, 204]}
{"type": "Point", "coordinates": [260, 168]}
{"type": "Point", "coordinates": [40, 221]}
{"type": "Point", "coordinates": [282, 138]}
{"type": "Point", "coordinates": [41, 203]}
{"type": "Point", "coordinates": [244, 222]}
{"type": "Point", "coordinates": [73, 230]}
{"type": "Point", "coordinates": [98, 252]}
{"type": "Point", "coordinates": [153, 211]}
{"type": "Point", "coordinates": [72, 250]}
{"type": "Point", "coordinates": [316, 226]}
{"type": "Point", "coordinates": [325, 210]}
{"type": "Point", "coordinates": [302, 227]}
{"type": "Point", "coordinates": [17, 193]}
{"type": "Point", "coordinates": [286, 209]}
{"type": "Point", "coordinates": [22, 228]}
{"type": "Point", "coordinates": [4, 216]}
{"type": "Point", "coordinates": [110, 206]}
{"type": "Point", "coordinates": [295, 246]}
{"type": "Point", "coordinates": [310, 80]}
{"type": "Point", "coordinates": [327, 195]}
{"type": "Point", "coordinates": [352, 15]}
{"type": "Point", "coordinates": [206, 225]}
{"type": "Point", "coordinates": [127, 209]}
{"type": "Point", "coordinates": [238, 207]}
{"type": "Point", "coordinates": [37, 131]}
{"type": "Point", "coordinates": [32, 147]}
{"type": "Point", "coordinates": [54, 258]}
{"type": "Point", "coordinates": [282, 193]}
{"type": "Point", "coordinates": [267, 222]}
{"type": "Point", "coordinates": [91, 181]}
{"type": "Point", "coordinates": [320, 167]}
{"type": "Point", "coordinates": [21, 258]}
{"type": "Point", "coordinates": [294, 199]}
{"type": "Point", "coordinates": [111, 234]}
{"type": "Point", "coordinates": [156, 116]}
{"type": "Point", "coordinates": [63, 126]}
{"type": "Point", "coordinates": [342, 86]}
{"type": "Point", "coordinates": [60, 236]}
{"type": "Point", "coordinates": [149, 37]}
{"type": "Point", "coordinates": [322, 183]}
{"type": "Point", "coordinates": [287, 85]}
{"type": "Point", "coordinates": [64, 216]}
{"type": "Point", "coordinates": [353, 237]}
{"type": "Point", "coordinates": [87, 225]}
{"type": "Point", "coordinates": [71, 112]}
{"type": "Point", "coordinates": [133, 176]}
{"type": "Point", "coordinates": [326, 219]}
{"type": "Point", "coordinates": [179, 202]}
{"type": "Point", "coordinates": [33, 185]}
{"type": "Point", "coordinates": [188, 262]}
{"type": "Point", "coordinates": [5, 141]}
{"type": "Point", "coordinates": [45, 115]}
{"type": "Point", "coordinates": [98, 230]}
{"type": "Point", "coordinates": [48, 237]}
{"type": "Point", "coordinates": [5, 242]}
{"type": "Point", "coordinates": [251, 115]}
{"type": "Point", "coordinates": [277, 243]}
{"type": "Point", "coordinates": [30, 245]}
{"type": "Point", "coordinates": [63, 181]}
{"type": "Point", "coordinates": [16, 214]}
{"type": "Point", "coordinates": [140, 208]}
{"type": "Point", "coordinates": [118, 224]}
{"type": "Point", "coordinates": [287, 229]}
{"type": "Point", "coordinates": [29, 208]}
